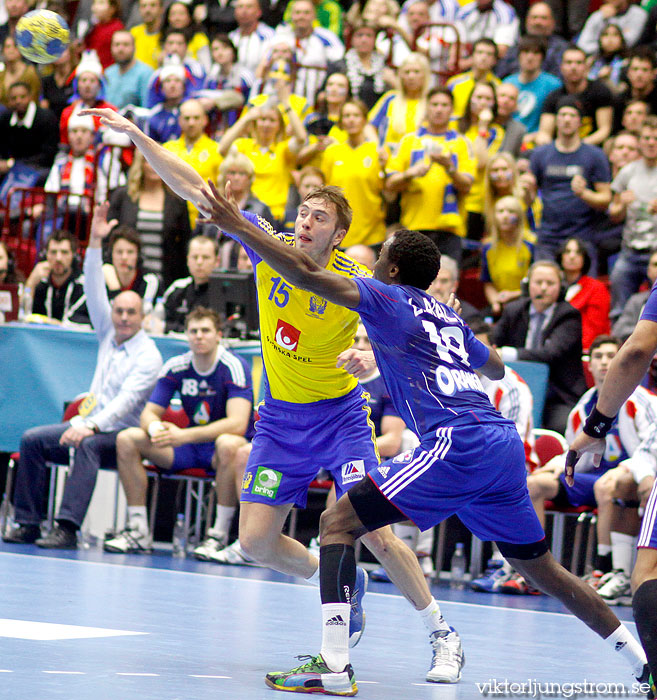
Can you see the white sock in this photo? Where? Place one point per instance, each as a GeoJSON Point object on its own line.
{"type": "Point", "coordinates": [496, 555]}
{"type": "Point", "coordinates": [622, 551]}
{"type": "Point", "coordinates": [433, 618]}
{"type": "Point", "coordinates": [223, 519]}
{"type": "Point", "coordinates": [424, 544]}
{"type": "Point", "coordinates": [407, 534]}
{"type": "Point", "coordinates": [314, 579]}
{"type": "Point", "coordinates": [335, 635]}
{"type": "Point", "coordinates": [138, 518]}
{"type": "Point", "coordinates": [603, 549]}
{"type": "Point", "coordinates": [622, 641]}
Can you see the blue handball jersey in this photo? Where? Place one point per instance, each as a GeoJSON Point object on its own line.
{"type": "Point", "coordinates": [203, 395]}
{"type": "Point", "coordinates": [649, 312]}
{"type": "Point", "coordinates": [427, 356]}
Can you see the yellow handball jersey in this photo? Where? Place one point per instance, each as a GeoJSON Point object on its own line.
{"type": "Point", "coordinates": [475, 199]}
{"type": "Point", "coordinates": [461, 86]}
{"type": "Point", "coordinates": [432, 202]}
{"type": "Point", "coordinates": [203, 156]}
{"type": "Point", "coordinates": [273, 171]}
{"type": "Point", "coordinates": [301, 333]}
{"type": "Point", "coordinates": [384, 119]}
{"type": "Point", "coordinates": [358, 172]}
{"type": "Point", "coordinates": [147, 46]}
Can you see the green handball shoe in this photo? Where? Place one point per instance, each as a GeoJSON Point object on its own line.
{"type": "Point", "coordinates": [314, 676]}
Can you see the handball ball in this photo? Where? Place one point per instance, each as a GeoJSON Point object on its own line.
{"type": "Point", "coordinates": [42, 36]}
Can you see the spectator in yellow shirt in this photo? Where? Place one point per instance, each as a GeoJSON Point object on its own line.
{"type": "Point", "coordinates": [506, 259]}
{"type": "Point", "coordinates": [358, 166]}
{"type": "Point", "coordinates": [402, 111]}
{"type": "Point", "coordinates": [502, 178]}
{"type": "Point", "coordinates": [195, 147]}
{"type": "Point", "coordinates": [273, 154]}
{"type": "Point", "coordinates": [434, 170]}
{"type": "Point", "coordinates": [485, 136]}
{"type": "Point", "coordinates": [484, 58]}
{"type": "Point", "coordinates": [147, 34]}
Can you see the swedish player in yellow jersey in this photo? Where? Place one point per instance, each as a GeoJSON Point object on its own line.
{"type": "Point", "coordinates": [314, 413]}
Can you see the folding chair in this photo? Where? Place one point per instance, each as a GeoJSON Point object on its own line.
{"type": "Point", "coordinates": [550, 444]}
{"type": "Point", "coordinates": [195, 480]}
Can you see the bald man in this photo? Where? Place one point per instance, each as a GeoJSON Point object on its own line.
{"type": "Point", "coordinates": [127, 367]}
{"type": "Point", "coordinates": [362, 254]}
{"type": "Point", "coordinates": [195, 147]}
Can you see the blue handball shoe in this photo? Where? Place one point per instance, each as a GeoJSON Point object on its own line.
{"type": "Point", "coordinates": [357, 618]}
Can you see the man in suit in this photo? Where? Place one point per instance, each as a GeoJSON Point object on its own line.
{"type": "Point", "coordinates": [544, 328]}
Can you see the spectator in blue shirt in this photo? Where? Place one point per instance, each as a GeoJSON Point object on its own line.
{"type": "Point", "coordinates": [533, 84]}
{"type": "Point", "coordinates": [574, 180]}
{"type": "Point", "coordinates": [127, 78]}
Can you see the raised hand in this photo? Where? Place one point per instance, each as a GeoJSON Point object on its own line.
{"type": "Point", "coordinates": [219, 209]}
{"type": "Point", "coordinates": [111, 119]}
{"type": "Point", "coordinates": [100, 226]}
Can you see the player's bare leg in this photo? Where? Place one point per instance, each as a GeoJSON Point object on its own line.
{"type": "Point", "coordinates": [546, 574]}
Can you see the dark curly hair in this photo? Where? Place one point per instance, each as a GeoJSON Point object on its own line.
{"type": "Point", "coordinates": [416, 256]}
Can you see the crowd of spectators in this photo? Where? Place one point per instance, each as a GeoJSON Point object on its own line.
{"type": "Point", "coordinates": [526, 150]}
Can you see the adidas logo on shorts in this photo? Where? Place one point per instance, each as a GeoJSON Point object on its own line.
{"type": "Point", "coordinates": [384, 471]}
{"type": "Point", "coordinates": [337, 620]}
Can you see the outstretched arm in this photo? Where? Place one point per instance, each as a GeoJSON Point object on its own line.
{"type": "Point", "coordinates": [298, 268]}
{"type": "Point", "coordinates": [625, 372]}
{"type": "Point", "coordinates": [180, 176]}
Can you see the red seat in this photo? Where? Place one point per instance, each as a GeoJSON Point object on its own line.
{"type": "Point", "coordinates": [7, 509]}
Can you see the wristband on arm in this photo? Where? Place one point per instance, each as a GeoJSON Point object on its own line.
{"type": "Point", "coordinates": [597, 424]}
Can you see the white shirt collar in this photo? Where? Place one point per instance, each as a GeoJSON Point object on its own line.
{"type": "Point", "coordinates": [27, 120]}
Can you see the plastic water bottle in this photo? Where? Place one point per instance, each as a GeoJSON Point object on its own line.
{"type": "Point", "coordinates": [179, 541]}
{"type": "Point", "coordinates": [457, 567]}
{"type": "Point", "coordinates": [158, 317]}
{"type": "Point", "coordinates": [25, 308]}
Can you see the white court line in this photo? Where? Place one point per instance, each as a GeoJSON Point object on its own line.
{"type": "Point", "coordinates": [285, 583]}
{"type": "Point", "coordinates": [193, 675]}
{"type": "Point", "coordinates": [66, 673]}
{"type": "Point", "coordinates": [154, 675]}
{"type": "Point", "coordinates": [5, 670]}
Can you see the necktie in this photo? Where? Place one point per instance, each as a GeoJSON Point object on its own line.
{"type": "Point", "coordinates": [535, 342]}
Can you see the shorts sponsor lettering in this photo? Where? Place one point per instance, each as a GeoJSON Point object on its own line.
{"type": "Point", "coordinates": [353, 471]}
{"type": "Point", "coordinates": [266, 482]}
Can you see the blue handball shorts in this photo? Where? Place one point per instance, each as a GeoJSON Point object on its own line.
{"type": "Point", "coordinates": [477, 473]}
{"type": "Point", "coordinates": [294, 441]}
{"type": "Point", "coordinates": [195, 454]}
{"type": "Point", "coordinates": [581, 493]}
{"type": "Point", "coordinates": [648, 534]}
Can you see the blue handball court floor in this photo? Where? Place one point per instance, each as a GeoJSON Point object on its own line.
{"type": "Point", "coordinates": [85, 625]}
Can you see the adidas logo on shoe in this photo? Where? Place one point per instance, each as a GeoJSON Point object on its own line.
{"type": "Point", "coordinates": [337, 620]}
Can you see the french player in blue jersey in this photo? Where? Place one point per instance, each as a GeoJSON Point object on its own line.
{"type": "Point", "coordinates": [470, 460]}
{"type": "Point", "coordinates": [626, 371]}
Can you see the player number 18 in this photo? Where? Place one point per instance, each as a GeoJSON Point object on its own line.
{"type": "Point", "coordinates": [449, 339]}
